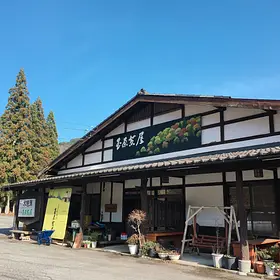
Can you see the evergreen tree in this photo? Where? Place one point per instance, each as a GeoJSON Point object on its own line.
{"type": "Point", "coordinates": [40, 149]}
{"type": "Point", "coordinates": [16, 132]}
{"type": "Point", "coordinates": [52, 132]}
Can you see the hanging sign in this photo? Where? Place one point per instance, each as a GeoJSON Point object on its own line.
{"type": "Point", "coordinates": [26, 208]}
{"type": "Point", "coordinates": [172, 136]}
{"type": "Point", "coordinates": [57, 212]}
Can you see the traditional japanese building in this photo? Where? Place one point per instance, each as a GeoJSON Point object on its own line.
{"type": "Point", "coordinates": [164, 152]}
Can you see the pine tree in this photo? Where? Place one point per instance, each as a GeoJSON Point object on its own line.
{"type": "Point", "coordinates": [52, 131]}
{"type": "Point", "coordinates": [40, 149]}
{"type": "Point", "coordinates": [16, 132]}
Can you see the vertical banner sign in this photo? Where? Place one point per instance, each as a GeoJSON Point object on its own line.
{"type": "Point", "coordinates": [168, 137]}
{"type": "Point", "coordinates": [57, 212]}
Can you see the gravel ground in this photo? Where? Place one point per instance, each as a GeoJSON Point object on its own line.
{"type": "Point", "coordinates": [21, 260]}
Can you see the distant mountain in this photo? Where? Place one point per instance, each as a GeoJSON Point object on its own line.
{"type": "Point", "coordinates": [63, 146]}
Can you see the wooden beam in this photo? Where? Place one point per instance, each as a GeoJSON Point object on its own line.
{"type": "Point", "coordinates": [242, 216]}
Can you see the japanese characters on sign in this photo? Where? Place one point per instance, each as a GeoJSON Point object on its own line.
{"type": "Point", "coordinates": [171, 136]}
{"type": "Point", "coordinates": [133, 140]}
{"type": "Point", "coordinates": [26, 208]}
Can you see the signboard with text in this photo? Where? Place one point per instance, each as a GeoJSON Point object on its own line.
{"type": "Point", "coordinates": [26, 208]}
{"type": "Point", "coordinates": [172, 136]}
{"type": "Point", "coordinates": [56, 215]}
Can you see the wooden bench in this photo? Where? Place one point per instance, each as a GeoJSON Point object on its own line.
{"type": "Point", "coordinates": [208, 242]}
{"type": "Point", "coordinates": [175, 237]}
{"type": "Point", "coordinates": [21, 234]}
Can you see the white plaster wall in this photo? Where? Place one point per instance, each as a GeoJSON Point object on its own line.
{"type": "Point", "coordinates": [168, 117]}
{"type": "Point", "coordinates": [206, 196]}
{"type": "Point", "coordinates": [105, 199]}
{"type": "Point", "coordinates": [210, 135]}
{"type": "Point", "coordinates": [95, 146]}
{"type": "Point", "coordinates": [173, 181]}
{"type": "Point", "coordinates": [117, 130]}
{"type": "Point", "coordinates": [93, 158]}
{"type": "Point", "coordinates": [204, 178]}
{"type": "Point", "coordinates": [277, 121]}
{"type": "Point", "coordinates": [247, 128]}
{"type": "Point", "coordinates": [138, 125]}
{"type": "Point", "coordinates": [210, 119]}
{"type": "Point", "coordinates": [108, 155]}
{"type": "Point", "coordinates": [235, 113]}
{"type": "Point", "coordinates": [130, 184]}
{"type": "Point", "coordinates": [156, 182]}
{"type": "Point", "coordinates": [248, 175]}
{"type": "Point", "coordinates": [213, 149]}
{"type": "Point", "coordinates": [197, 109]}
{"type": "Point", "coordinates": [77, 161]}
{"type": "Point", "coordinates": [93, 188]}
{"type": "Point", "coordinates": [117, 199]}
{"type": "Point", "coordinates": [108, 143]}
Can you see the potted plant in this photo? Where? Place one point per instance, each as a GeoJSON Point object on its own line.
{"type": "Point", "coordinates": [277, 269]}
{"type": "Point", "coordinates": [136, 219]}
{"type": "Point", "coordinates": [270, 268]}
{"type": "Point", "coordinates": [262, 255]}
{"type": "Point", "coordinates": [133, 242]}
{"type": "Point", "coordinates": [230, 262]}
{"type": "Point", "coordinates": [149, 249]}
{"type": "Point", "coordinates": [86, 244]}
{"type": "Point", "coordinates": [163, 253]}
{"type": "Point", "coordinates": [174, 255]}
{"type": "Point", "coordinates": [94, 238]}
{"type": "Point", "coordinates": [217, 255]}
{"type": "Point", "coordinates": [274, 251]}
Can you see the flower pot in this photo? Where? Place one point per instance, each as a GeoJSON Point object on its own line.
{"type": "Point", "coordinates": [109, 237]}
{"type": "Point", "coordinates": [174, 257]}
{"type": "Point", "coordinates": [259, 267]}
{"type": "Point", "coordinates": [230, 262]}
{"type": "Point", "coordinates": [152, 253]}
{"type": "Point", "coordinates": [163, 256]}
{"type": "Point", "coordinates": [217, 260]}
{"type": "Point", "coordinates": [244, 266]}
{"type": "Point", "coordinates": [133, 249]}
{"type": "Point", "coordinates": [93, 244]}
{"type": "Point", "coordinates": [270, 271]}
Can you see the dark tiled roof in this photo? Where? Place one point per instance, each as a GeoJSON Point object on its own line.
{"type": "Point", "coordinates": [248, 153]}
{"type": "Point", "coordinates": [144, 96]}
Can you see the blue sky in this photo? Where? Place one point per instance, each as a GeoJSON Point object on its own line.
{"type": "Point", "coordinates": [86, 58]}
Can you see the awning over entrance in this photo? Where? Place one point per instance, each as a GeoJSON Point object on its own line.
{"type": "Point", "coordinates": [268, 151]}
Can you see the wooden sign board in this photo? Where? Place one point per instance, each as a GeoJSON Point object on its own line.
{"type": "Point", "coordinates": [112, 208]}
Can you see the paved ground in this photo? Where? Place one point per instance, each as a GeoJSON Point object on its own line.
{"type": "Point", "coordinates": [28, 261]}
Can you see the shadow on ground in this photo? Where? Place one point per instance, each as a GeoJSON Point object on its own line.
{"type": "Point", "coordinates": [5, 231]}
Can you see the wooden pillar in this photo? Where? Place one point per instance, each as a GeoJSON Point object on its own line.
{"type": "Point", "coordinates": [242, 216]}
{"type": "Point", "coordinates": [82, 212]}
{"type": "Point", "coordinates": [42, 207]}
{"type": "Point", "coordinates": [277, 201]}
{"type": "Point", "coordinates": [144, 195]}
{"type": "Point", "coordinates": [15, 221]}
{"type": "Point", "coordinates": [144, 203]}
